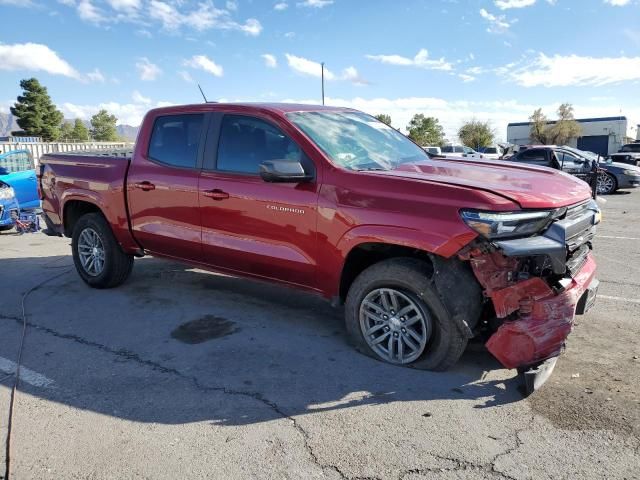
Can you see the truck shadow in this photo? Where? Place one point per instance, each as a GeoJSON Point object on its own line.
{"type": "Point", "coordinates": [116, 352]}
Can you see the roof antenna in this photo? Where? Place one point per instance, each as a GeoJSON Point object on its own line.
{"type": "Point", "coordinates": [203, 95]}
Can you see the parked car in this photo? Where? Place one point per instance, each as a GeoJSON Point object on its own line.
{"type": "Point", "coordinates": [424, 253]}
{"type": "Point", "coordinates": [433, 150]}
{"type": "Point", "coordinates": [629, 154]}
{"type": "Point", "coordinates": [459, 151]}
{"type": "Point", "coordinates": [492, 153]}
{"type": "Point", "coordinates": [17, 169]}
{"type": "Point", "coordinates": [9, 208]}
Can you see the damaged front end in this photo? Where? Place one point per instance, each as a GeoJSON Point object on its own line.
{"type": "Point", "coordinates": [535, 284]}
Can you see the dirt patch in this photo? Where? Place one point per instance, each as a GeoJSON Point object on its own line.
{"type": "Point", "coordinates": [203, 329]}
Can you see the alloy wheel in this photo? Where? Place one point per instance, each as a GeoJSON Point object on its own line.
{"type": "Point", "coordinates": [394, 325]}
{"type": "Point", "coordinates": [91, 252]}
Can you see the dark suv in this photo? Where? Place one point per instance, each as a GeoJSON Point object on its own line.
{"type": "Point", "coordinates": [629, 154]}
{"type": "Point", "coordinates": [567, 159]}
{"type": "Point", "coordinates": [603, 177]}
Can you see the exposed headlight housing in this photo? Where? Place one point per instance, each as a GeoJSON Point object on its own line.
{"type": "Point", "coordinates": [7, 193]}
{"type": "Point", "coordinates": [494, 225]}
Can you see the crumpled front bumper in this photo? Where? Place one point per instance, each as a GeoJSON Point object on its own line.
{"type": "Point", "coordinates": [544, 319]}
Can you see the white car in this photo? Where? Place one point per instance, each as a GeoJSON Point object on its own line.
{"type": "Point", "coordinates": [432, 150]}
{"type": "Point", "coordinates": [492, 153]}
{"type": "Point", "coordinates": [457, 151]}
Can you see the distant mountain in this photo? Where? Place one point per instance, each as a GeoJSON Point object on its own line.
{"type": "Point", "coordinates": [8, 124]}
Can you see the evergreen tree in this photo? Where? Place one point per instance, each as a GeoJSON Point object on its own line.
{"type": "Point", "coordinates": [80, 132]}
{"type": "Point", "coordinates": [66, 132]}
{"type": "Point", "coordinates": [426, 131]}
{"type": "Point", "coordinates": [37, 115]}
{"type": "Point", "coordinates": [104, 127]}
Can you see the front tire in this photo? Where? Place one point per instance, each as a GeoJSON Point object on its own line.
{"type": "Point", "coordinates": [393, 313]}
{"type": "Point", "coordinates": [607, 183]}
{"type": "Point", "coordinates": [98, 258]}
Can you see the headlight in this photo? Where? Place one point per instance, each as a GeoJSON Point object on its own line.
{"type": "Point", "coordinates": [509, 224]}
{"type": "Point", "coordinates": [632, 173]}
{"type": "Point", "coordinates": [7, 193]}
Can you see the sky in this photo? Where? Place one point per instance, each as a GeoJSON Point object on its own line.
{"type": "Point", "coordinates": [457, 60]}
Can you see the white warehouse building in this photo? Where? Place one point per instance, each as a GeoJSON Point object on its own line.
{"type": "Point", "coordinates": [604, 135]}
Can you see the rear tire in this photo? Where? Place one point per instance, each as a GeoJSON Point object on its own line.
{"type": "Point", "coordinates": [607, 184]}
{"type": "Point", "coordinates": [411, 280]}
{"type": "Point", "coordinates": [5, 228]}
{"type": "Point", "coordinates": [98, 258]}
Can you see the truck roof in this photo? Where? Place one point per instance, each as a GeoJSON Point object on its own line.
{"type": "Point", "coordinates": [278, 108]}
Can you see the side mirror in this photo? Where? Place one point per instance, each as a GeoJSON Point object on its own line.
{"type": "Point", "coordinates": [4, 171]}
{"type": "Point", "coordinates": [283, 171]}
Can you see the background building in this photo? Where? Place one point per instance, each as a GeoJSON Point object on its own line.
{"type": "Point", "coordinates": [603, 135]}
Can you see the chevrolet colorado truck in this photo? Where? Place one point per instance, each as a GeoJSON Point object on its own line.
{"type": "Point", "coordinates": [424, 253]}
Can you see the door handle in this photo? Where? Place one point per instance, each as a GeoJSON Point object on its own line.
{"type": "Point", "coordinates": [146, 186]}
{"type": "Point", "coordinates": [216, 194]}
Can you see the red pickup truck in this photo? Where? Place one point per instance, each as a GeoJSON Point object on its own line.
{"type": "Point", "coordinates": [424, 253]}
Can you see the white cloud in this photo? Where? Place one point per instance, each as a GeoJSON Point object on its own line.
{"type": "Point", "coordinates": [497, 23]}
{"type": "Point", "coordinates": [280, 6]}
{"type": "Point", "coordinates": [290, 34]}
{"type": "Point", "coordinates": [206, 16]}
{"type": "Point", "coordinates": [96, 76]}
{"type": "Point", "coordinates": [186, 76]}
{"type": "Point", "coordinates": [351, 74]}
{"type": "Point", "coordinates": [315, 3]}
{"type": "Point", "coordinates": [125, 5]}
{"type": "Point", "coordinates": [139, 98]}
{"type": "Point", "coordinates": [34, 57]}
{"type": "Point", "coordinates": [148, 71]}
{"type": "Point", "coordinates": [17, 3]}
{"type": "Point", "coordinates": [89, 12]}
{"type": "Point", "coordinates": [572, 70]}
{"type": "Point", "coordinates": [308, 67]}
{"type": "Point", "coordinates": [618, 3]}
{"type": "Point", "coordinates": [452, 114]}
{"type": "Point", "coordinates": [232, 5]}
{"type": "Point", "coordinates": [466, 78]}
{"type": "Point", "coordinates": [127, 113]}
{"type": "Point", "coordinates": [506, 4]}
{"type": "Point", "coordinates": [421, 60]}
{"type": "Point", "coordinates": [202, 62]}
{"type": "Point", "coordinates": [270, 60]}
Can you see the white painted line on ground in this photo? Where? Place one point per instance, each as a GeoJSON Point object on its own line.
{"type": "Point", "coordinates": [28, 376]}
{"type": "Point", "coordinates": [618, 299]}
{"type": "Point", "coordinates": [617, 238]}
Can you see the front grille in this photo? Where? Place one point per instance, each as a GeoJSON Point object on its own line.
{"type": "Point", "coordinates": [579, 231]}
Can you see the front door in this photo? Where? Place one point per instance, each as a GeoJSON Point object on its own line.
{"type": "Point", "coordinates": [163, 188]}
{"type": "Point", "coordinates": [249, 225]}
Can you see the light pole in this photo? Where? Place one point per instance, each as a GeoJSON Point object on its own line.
{"type": "Point", "coordinates": [322, 75]}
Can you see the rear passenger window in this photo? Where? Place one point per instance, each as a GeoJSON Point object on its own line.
{"type": "Point", "coordinates": [246, 142]}
{"type": "Point", "coordinates": [175, 140]}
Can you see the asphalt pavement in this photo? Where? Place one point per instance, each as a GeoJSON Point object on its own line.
{"type": "Point", "coordinates": [182, 373]}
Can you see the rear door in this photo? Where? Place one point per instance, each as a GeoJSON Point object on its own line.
{"type": "Point", "coordinates": [162, 187]}
{"type": "Point", "coordinates": [249, 225]}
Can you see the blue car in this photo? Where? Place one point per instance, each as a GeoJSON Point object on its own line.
{"type": "Point", "coordinates": [18, 171]}
{"type": "Point", "coordinates": [9, 208]}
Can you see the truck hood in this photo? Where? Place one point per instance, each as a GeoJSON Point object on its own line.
{"type": "Point", "coordinates": [527, 185]}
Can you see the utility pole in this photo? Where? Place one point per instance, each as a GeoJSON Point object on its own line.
{"type": "Point", "coordinates": [322, 65]}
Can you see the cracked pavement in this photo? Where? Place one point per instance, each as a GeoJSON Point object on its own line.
{"type": "Point", "coordinates": [278, 393]}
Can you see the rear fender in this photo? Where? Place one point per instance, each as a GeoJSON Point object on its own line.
{"type": "Point", "coordinates": [115, 216]}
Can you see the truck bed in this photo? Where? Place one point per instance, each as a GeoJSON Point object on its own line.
{"type": "Point", "coordinates": [98, 177]}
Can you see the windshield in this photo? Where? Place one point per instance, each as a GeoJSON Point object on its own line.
{"type": "Point", "coordinates": [357, 141]}
{"type": "Point", "coordinates": [14, 162]}
{"type": "Point", "coordinates": [631, 148]}
{"type": "Point", "coordinates": [582, 153]}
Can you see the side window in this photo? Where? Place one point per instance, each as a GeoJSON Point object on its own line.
{"type": "Point", "coordinates": [246, 142]}
{"type": "Point", "coordinates": [533, 156]}
{"type": "Point", "coordinates": [175, 140]}
{"type": "Point", "coordinates": [458, 149]}
{"type": "Point", "coordinates": [447, 149]}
